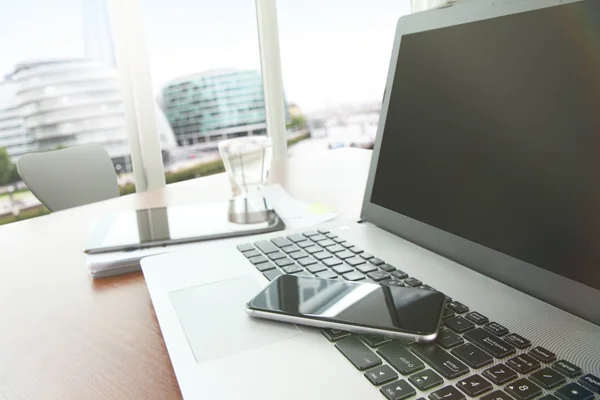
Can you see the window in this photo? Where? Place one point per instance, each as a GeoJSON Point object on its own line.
{"type": "Point", "coordinates": [59, 87]}
{"type": "Point", "coordinates": [206, 72]}
{"type": "Point", "coordinates": [335, 65]}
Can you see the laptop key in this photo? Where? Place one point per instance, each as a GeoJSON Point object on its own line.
{"type": "Point", "coordinates": [543, 355]}
{"type": "Point", "coordinates": [375, 340]}
{"type": "Point", "coordinates": [523, 363]}
{"type": "Point", "coordinates": [272, 274]}
{"type": "Point", "coordinates": [517, 340]}
{"type": "Point", "coordinates": [258, 259]}
{"type": "Point", "coordinates": [327, 275]}
{"type": "Point", "coordinates": [393, 282]}
{"type": "Point", "coordinates": [447, 393]}
{"type": "Point", "coordinates": [376, 261]}
{"type": "Point", "coordinates": [426, 380]}
{"type": "Point", "coordinates": [305, 244]}
{"type": "Point", "coordinates": [448, 339]}
{"type": "Point", "coordinates": [399, 274]}
{"type": "Point", "coordinates": [457, 307]}
{"type": "Point", "coordinates": [318, 238]}
{"type": "Point", "coordinates": [377, 275]}
{"type": "Point", "coordinates": [339, 240]}
{"type": "Point", "coordinates": [310, 233]}
{"type": "Point", "coordinates": [266, 247]}
{"type": "Point", "coordinates": [474, 385]}
{"type": "Point", "coordinates": [323, 231]}
{"type": "Point", "coordinates": [366, 256]}
{"type": "Point", "coordinates": [357, 353]}
{"type": "Point", "coordinates": [472, 356]}
{"type": "Point", "coordinates": [345, 254]}
{"type": "Point", "coordinates": [427, 287]}
{"type": "Point", "coordinates": [291, 249]}
{"type": "Point", "coordinates": [355, 250]}
{"type": "Point", "coordinates": [566, 368]}
{"type": "Point", "coordinates": [400, 358]}
{"type": "Point", "coordinates": [276, 256]}
{"type": "Point", "coordinates": [281, 242]}
{"type": "Point", "coordinates": [331, 235]}
{"type": "Point", "coordinates": [347, 245]}
{"type": "Point", "coordinates": [342, 269]}
{"type": "Point", "coordinates": [296, 237]}
{"type": "Point", "coordinates": [292, 269]}
{"type": "Point", "coordinates": [448, 313]}
{"type": "Point", "coordinates": [547, 378]}
{"type": "Point", "coordinates": [500, 374]}
{"type": "Point", "coordinates": [335, 249]}
{"type": "Point", "coordinates": [354, 261]}
{"type": "Point", "coordinates": [497, 395]}
{"type": "Point", "coordinates": [333, 335]}
{"type": "Point", "coordinates": [245, 247]}
{"type": "Point", "coordinates": [298, 255]}
{"type": "Point", "coordinates": [327, 243]}
{"type": "Point", "coordinates": [353, 276]}
{"type": "Point", "coordinates": [380, 375]}
{"type": "Point", "coordinates": [332, 262]}
{"type": "Point", "coordinates": [591, 382]}
{"type": "Point", "coordinates": [284, 262]}
{"type": "Point", "coordinates": [387, 268]}
{"type": "Point", "coordinates": [312, 249]}
{"type": "Point", "coordinates": [477, 318]}
{"type": "Point", "coordinates": [303, 273]}
{"type": "Point", "coordinates": [366, 268]}
{"type": "Point", "coordinates": [322, 255]}
{"type": "Point", "coordinates": [489, 343]}
{"type": "Point", "coordinates": [523, 389]}
{"type": "Point", "coordinates": [459, 324]}
{"type": "Point", "coordinates": [496, 329]}
{"type": "Point", "coordinates": [573, 391]}
{"type": "Point", "coordinates": [313, 269]}
{"type": "Point", "coordinates": [440, 360]}
{"type": "Point", "coordinates": [398, 390]}
{"type": "Point", "coordinates": [414, 282]}
{"type": "Point", "coordinates": [251, 253]}
{"type": "Point", "coordinates": [307, 261]}
{"type": "Point", "coordinates": [262, 267]}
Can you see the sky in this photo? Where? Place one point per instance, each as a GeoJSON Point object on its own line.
{"type": "Point", "coordinates": [332, 51]}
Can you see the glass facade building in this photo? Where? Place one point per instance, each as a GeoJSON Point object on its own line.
{"type": "Point", "coordinates": [47, 105]}
{"type": "Point", "coordinates": [215, 105]}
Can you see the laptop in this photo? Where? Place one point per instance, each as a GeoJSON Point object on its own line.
{"type": "Point", "coordinates": [484, 185]}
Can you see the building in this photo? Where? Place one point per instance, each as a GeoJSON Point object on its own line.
{"type": "Point", "coordinates": [53, 104]}
{"type": "Point", "coordinates": [13, 135]}
{"type": "Point", "coordinates": [215, 105]}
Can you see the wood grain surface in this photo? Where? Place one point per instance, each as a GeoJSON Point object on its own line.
{"type": "Point", "coordinates": [66, 336]}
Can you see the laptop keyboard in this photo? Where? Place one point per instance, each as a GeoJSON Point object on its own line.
{"type": "Point", "coordinates": [471, 357]}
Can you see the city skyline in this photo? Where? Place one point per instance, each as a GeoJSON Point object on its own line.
{"type": "Point", "coordinates": [326, 60]}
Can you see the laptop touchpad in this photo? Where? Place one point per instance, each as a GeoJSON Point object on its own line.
{"type": "Point", "coordinates": [215, 323]}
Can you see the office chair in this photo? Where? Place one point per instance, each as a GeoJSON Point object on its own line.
{"type": "Point", "coordinates": [71, 177]}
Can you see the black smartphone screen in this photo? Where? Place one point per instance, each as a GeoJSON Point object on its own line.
{"type": "Point", "coordinates": [378, 306]}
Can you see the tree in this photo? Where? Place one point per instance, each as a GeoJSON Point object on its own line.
{"type": "Point", "coordinates": [297, 122]}
{"type": "Point", "coordinates": [6, 167]}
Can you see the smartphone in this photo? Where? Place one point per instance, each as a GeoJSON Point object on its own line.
{"type": "Point", "coordinates": [365, 308]}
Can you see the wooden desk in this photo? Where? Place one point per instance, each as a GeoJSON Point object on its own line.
{"type": "Point", "coordinates": [65, 336]}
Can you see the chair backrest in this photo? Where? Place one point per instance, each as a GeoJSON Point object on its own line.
{"type": "Point", "coordinates": [71, 177]}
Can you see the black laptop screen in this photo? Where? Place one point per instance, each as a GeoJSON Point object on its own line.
{"type": "Point", "coordinates": [493, 134]}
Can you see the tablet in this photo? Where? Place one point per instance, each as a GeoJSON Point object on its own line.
{"type": "Point", "coordinates": [182, 224]}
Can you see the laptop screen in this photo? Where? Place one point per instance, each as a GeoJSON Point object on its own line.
{"type": "Point", "coordinates": [493, 134]}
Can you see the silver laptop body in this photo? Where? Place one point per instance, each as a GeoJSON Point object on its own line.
{"type": "Point", "coordinates": [218, 352]}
